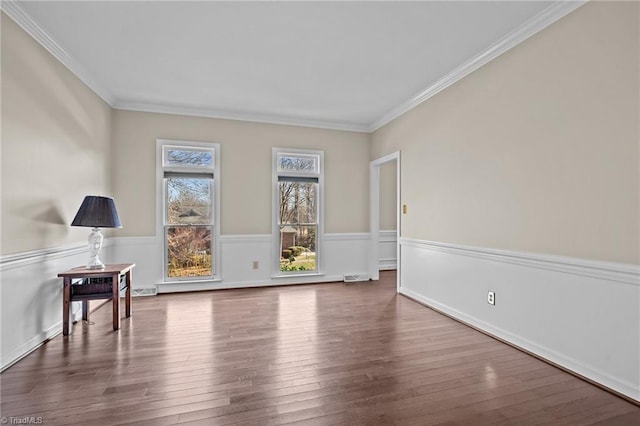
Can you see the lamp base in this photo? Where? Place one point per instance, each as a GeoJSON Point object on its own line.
{"type": "Point", "coordinates": [100, 266]}
{"type": "Point", "coordinates": [95, 244]}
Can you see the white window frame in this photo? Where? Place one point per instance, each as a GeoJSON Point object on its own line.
{"type": "Point", "coordinates": [161, 198]}
{"type": "Point", "coordinates": [275, 202]}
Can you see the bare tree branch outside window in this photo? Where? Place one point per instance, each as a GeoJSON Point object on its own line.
{"type": "Point", "coordinates": [297, 214]}
{"type": "Point", "coordinates": [189, 212]}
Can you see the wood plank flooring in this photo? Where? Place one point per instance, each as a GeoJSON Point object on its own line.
{"type": "Point", "coordinates": [344, 354]}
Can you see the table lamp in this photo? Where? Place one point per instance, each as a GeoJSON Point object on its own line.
{"type": "Point", "coordinates": [96, 212]}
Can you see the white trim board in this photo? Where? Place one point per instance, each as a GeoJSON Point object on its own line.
{"type": "Point", "coordinates": [388, 236]}
{"type": "Point", "coordinates": [24, 258]}
{"type": "Point", "coordinates": [376, 234]}
{"type": "Point", "coordinates": [347, 236]}
{"type": "Point", "coordinates": [581, 315]}
{"type": "Point", "coordinates": [35, 342]}
{"type": "Point", "coordinates": [388, 247]}
{"type": "Point", "coordinates": [173, 287]}
{"type": "Point", "coordinates": [239, 116]}
{"type": "Point", "coordinates": [387, 264]}
{"type": "Point", "coordinates": [245, 238]}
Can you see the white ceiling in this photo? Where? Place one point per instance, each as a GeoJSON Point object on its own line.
{"type": "Point", "coordinates": [344, 65]}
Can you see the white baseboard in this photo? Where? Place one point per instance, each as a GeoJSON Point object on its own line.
{"type": "Point", "coordinates": [387, 264]}
{"type": "Point", "coordinates": [226, 285]}
{"type": "Point", "coordinates": [35, 342]}
{"type": "Point", "coordinates": [551, 306]}
{"type": "Point", "coordinates": [387, 250]}
{"type": "Point", "coordinates": [16, 354]}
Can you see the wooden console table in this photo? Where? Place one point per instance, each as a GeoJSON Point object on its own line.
{"type": "Point", "coordinates": [96, 291]}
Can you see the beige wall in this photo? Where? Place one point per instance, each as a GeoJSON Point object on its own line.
{"type": "Point", "coordinates": [245, 170]}
{"type": "Point", "coordinates": [55, 145]}
{"type": "Point", "coordinates": [536, 151]}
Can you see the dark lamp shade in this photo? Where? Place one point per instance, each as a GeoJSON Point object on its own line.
{"type": "Point", "coordinates": [97, 212]}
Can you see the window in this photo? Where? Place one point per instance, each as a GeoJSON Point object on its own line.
{"type": "Point", "coordinates": [189, 185]}
{"type": "Point", "coordinates": [297, 197]}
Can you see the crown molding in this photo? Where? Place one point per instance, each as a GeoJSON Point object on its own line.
{"type": "Point", "coordinates": [545, 18]}
{"type": "Point", "coordinates": [240, 116]}
{"type": "Point", "coordinates": [536, 24]}
{"type": "Point", "coordinates": [13, 9]}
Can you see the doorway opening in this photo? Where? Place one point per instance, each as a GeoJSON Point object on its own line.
{"type": "Point", "coordinates": [375, 198]}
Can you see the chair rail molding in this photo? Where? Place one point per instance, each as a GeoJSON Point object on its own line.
{"type": "Point", "coordinates": [620, 272]}
{"type": "Point", "coordinates": [17, 260]}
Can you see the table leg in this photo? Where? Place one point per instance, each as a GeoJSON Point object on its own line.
{"type": "Point", "coordinates": [115, 301]}
{"type": "Point", "coordinates": [66, 296]}
{"type": "Point", "coordinates": [128, 297]}
{"type": "Point", "coordinates": [85, 310]}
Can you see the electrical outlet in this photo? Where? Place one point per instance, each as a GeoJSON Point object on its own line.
{"type": "Point", "coordinates": [491, 298]}
{"type": "Point", "coordinates": [256, 264]}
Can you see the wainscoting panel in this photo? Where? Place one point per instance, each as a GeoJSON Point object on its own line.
{"type": "Point", "coordinates": [342, 254]}
{"type": "Point", "coordinates": [145, 252]}
{"type": "Point", "coordinates": [388, 248]}
{"type": "Point", "coordinates": [346, 254]}
{"type": "Point", "coordinates": [32, 298]}
{"type": "Point", "coordinates": [583, 315]}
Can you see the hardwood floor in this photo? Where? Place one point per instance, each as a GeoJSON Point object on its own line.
{"type": "Point", "coordinates": [312, 355]}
